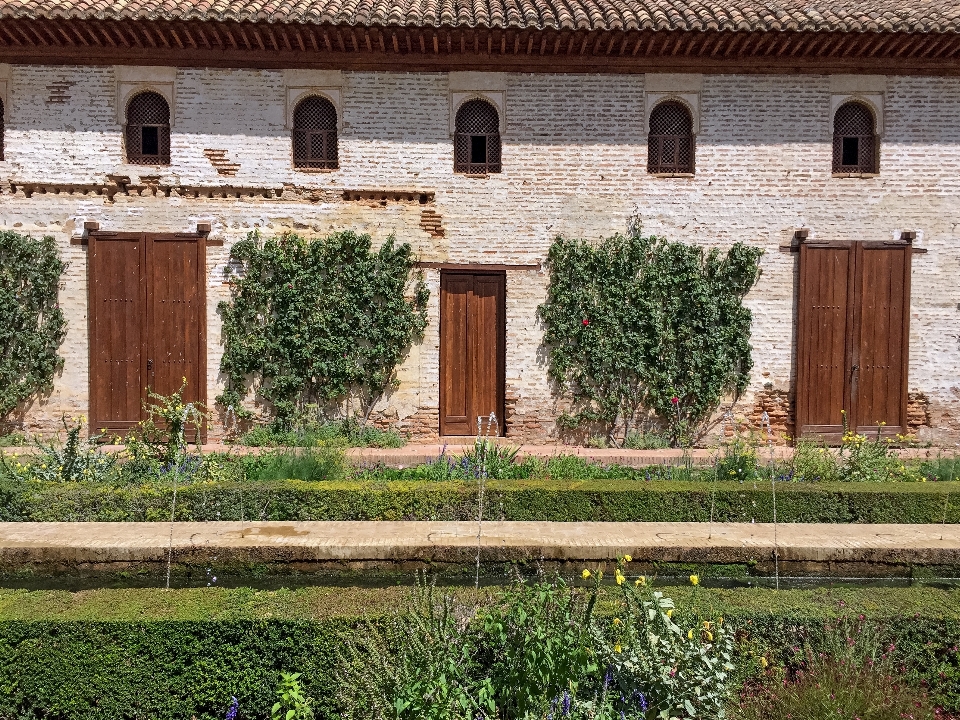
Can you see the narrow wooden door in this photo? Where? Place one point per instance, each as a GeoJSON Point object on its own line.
{"type": "Point", "coordinates": [147, 323]}
{"type": "Point", "coordinates": [881, 338]}
{"type": "Point", "coordinates": [116, 308]}
{"type": "Point", "coordinates": [472, 341]}
{"type": "Point", "coordinates": [852, 338]}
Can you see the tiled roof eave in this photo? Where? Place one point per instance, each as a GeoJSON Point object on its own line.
{"type": "Point", "coordinates": [879, 16]}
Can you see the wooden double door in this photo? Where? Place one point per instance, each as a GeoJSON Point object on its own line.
{"type": "Point", "coordinates": [147, 323]}
{"type": "Point", "coordinates": [853, 338]}
{"type": "Point", "coordinates": [472, 342]}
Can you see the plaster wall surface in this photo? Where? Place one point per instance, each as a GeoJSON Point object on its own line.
{"type": "Point", "coordinates": [574, 163]}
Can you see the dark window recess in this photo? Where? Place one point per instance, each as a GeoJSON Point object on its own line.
{"type": "Point", "coordinates": [315, 134]}
{"type": "Point", "coordinates": [855, 146]}
{"type": "Point", "coordinates": [476, 143]}
{"type": "Point", "coordinates": [670, 144]}
{"type": "Point", "coordinates": [148, 130]}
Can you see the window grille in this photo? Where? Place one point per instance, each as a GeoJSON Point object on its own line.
{"type": "Point", "coordinates": [854, 141]}
{"type": "Point", "coordinates": [315, 134]}
{"type": "Point", "coordinates": [148, 130]}
{"type": "Point", "coordinates": [476, 142]}
{"type": "Point", "coordinates": [670, 145]}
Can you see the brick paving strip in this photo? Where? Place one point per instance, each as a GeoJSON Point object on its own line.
{"type": "Point", "coordinates": [96, 543]}
{"type": "Point", "coordinates": [419, 454]}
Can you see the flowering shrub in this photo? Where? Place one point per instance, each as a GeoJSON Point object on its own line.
{"type": "Point", "coordinates": [636, 324]}
{"type": "Point", "coordinates": [653, 667]}
{"type": "Point", "coordinates": [75, 460]}
{"type": "Point", "coordinates": [540, 651]}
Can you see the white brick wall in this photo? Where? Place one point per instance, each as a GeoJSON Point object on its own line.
{"type": "Point", "coordinates": [574, 159]}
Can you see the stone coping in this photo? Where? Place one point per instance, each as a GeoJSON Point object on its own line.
{"type": "Point", "coordinates": [96, 543]}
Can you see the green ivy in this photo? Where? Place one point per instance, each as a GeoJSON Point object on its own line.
{"type": "Point", "coordinates": [319, 321]}
{"type": "Point", "coordinates": [637, 323]}
{"type": "Point", "coordinates": [33, 325]}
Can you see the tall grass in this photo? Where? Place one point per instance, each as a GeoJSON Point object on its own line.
{"type": "Point", "coordinates": [323, 462]}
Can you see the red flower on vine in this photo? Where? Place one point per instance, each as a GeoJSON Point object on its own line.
{"type": "Point", "coordinates": [585, 322]}
{"type": "Point", "coordinates": [675, 400]}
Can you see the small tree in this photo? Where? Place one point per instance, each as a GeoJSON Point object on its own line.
{"type": "Point", "coordinates": [323, 320]}
{"type": "Point", "coordinates": [637, 323]}
{"type": "Point", "coordinates": [32, 325]}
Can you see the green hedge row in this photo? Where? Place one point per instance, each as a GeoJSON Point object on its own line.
{"type": "Point", "coordinates": [592, 500]}
{"type": "Point", "coordinates": [112, 654]}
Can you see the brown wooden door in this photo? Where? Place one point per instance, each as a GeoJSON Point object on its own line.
{"type": "Point", "coordinates": [147, 323]}
{"type": "Point", "coordinates": [472, 340]}
{"type": "Point", "coordinates": [852, 338]}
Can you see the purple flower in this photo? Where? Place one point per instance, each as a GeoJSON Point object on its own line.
{"type": "Point", "coordinates": [566, 703]}
{"type": "Point", "coordinates": [641, 700]}
{"type": "Point", "coordinates": [232, 711]}
{"type": "Point", "coordinates": [608, 678]}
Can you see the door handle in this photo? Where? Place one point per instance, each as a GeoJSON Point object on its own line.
{"type": "Point", "coordinates": [149, 365]}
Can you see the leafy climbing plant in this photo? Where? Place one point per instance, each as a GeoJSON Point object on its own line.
{"type": "Point", "coordinates": [324, 321]}
{"type": "Point", "coordinates": [637, 323]}
{"type": "Point", "coordinates": [33, 325]}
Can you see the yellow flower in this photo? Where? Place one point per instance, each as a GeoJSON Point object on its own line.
{"type": "Point", "coordinates": [709, 636]}
{"type": "Point", "coordinates": [720, 621]}
{"type": "Point", "coordinates": [617, 648]}
{"type": "Point", "coordinates": [617, 621]}
{"type": "Point", "coordinates": [670, 613]}
{"type": "Point", "coordinates": [619, 576]}
{"type": "Point", "coordinates": [585, 574]}
{"type": "Point", "coordinates": [694, 579]}
{"type": "Point", "coordinates": [627, 558]}
{"type": "Point", "coordinates": [707, 624]}
{"type": "Point", "coordinates": [641, 581]}
{"type": "Point", "coordinates": [690, 634]}
{"type": "Point", "coordinates": [599, 574]}
{"type": "Point", "coordinates": [763, 662]}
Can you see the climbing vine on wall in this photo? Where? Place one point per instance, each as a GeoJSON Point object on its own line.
{"type": "Point", "coordinates": [324, 321]}
{"type": "Point", "coordinates": [32, 325]}
{"type": "Point", "coordinates": [637, 323]}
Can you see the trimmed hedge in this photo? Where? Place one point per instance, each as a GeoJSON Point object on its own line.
{"type": "Point", "coordinates": [553, 500]}
{"type": "Point", "coordinates": [110, 654]}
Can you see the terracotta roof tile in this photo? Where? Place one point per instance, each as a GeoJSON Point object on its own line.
{"type": "Point", "coordinates": [915, 16]}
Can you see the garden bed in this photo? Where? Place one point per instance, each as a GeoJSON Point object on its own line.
{"type": "Point", "coordinates": [149, 653]}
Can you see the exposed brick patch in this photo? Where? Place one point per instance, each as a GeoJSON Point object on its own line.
{"type": "Point", "coordinates": [918, 412]}
{"type": "Point", "coordinates": [218, 158]}
{"type": "Point", "coordinates": [422, 426]}
{"type": "Point", "coordinates": [430, 221]}
{"type": "Point", "coordinates": [779, 407]}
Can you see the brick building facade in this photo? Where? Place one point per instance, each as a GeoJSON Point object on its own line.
{"type": "Point", "coordinates": [574, 163]}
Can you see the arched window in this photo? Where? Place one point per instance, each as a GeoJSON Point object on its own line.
{"type": "Point", "coordinates": [476, 143]}
{"type": "Point", "coordinates": [148, 130]}
{"type": "Point", "coordinates": [315, 134]}
{"type": "Point", "coordinates": [855, 146]}
{"type": "Point", "coordinates": [670, 144]}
